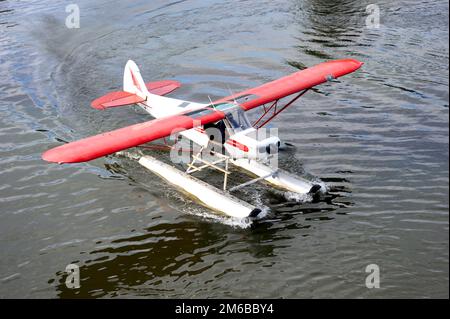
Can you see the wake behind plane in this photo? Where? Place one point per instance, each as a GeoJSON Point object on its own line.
{"type": "Point", "coordinates": [240, 144]}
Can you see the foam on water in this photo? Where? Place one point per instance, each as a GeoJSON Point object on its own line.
{"type": "Point", "coordinates": [297, 197]}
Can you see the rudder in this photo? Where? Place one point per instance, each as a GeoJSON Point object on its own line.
{"type": "Point", "coordinates": [132, 80]}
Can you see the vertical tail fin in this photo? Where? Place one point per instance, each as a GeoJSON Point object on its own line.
{"type": "Point", "coordinates": [132, 80]}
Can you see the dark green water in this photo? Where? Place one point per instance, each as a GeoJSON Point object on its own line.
{"type": "Point", "coordinates": [379, 139]}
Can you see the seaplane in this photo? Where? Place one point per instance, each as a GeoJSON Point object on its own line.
{"type": "Point", "coordinates": [220, 132]}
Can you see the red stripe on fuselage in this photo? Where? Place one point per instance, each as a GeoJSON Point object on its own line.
{"type": "Point", "coordinates": [238, 145]}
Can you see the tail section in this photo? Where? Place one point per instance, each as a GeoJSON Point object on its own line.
{"type": "Point", "coordinates": [132, 80]}
{"type": "Point", "coordinates": [134, 89]}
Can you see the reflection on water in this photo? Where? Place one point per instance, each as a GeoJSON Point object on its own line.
{"type": "Point", "coordinates": [164, 259]}
{"type": "Point", "coordinates": [147, 258]}
{"type": "Point", "coordinates": [378, 138]}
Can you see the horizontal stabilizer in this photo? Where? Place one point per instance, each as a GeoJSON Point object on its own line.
{"type": "Point", "coordinates": [121, 98]}
{"type": "Point", "coordinates": [115, 99]}
{"type": "Point", "coordinates": [162, 87]}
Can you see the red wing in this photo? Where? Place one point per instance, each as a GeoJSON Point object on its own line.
{"type": "Point", "coordinates": [293, 83]}
{"type": "Point", "coordinates": [121, 98]}
{"type": "Point", "coordinates": [107, 143]}
{"type": "Point", "coordinates": [110, 142]}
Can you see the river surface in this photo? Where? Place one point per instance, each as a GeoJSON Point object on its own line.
{"type": "Point", "coordinates": [378, 138]}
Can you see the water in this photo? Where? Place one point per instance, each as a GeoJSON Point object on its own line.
{"type": "Point", "coordinates": [378, 138]}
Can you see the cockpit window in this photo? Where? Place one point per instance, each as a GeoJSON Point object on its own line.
{"type": "Point", "coordinates": [224, 106]}
{"type": "Point", "coordinates": [238, 120]}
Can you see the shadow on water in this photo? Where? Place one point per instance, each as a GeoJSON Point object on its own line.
{"type": "Point", "coordinates": [144, 259]}
{"type": "Point", "coordinates": [163, 259]}
{"type": "Point", "coordinates": [164, 253]}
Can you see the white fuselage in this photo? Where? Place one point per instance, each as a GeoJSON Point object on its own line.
{"type": "Point", "coordinates": [243, 141]}
{"type": "Point", "coordinates": [160, 106]}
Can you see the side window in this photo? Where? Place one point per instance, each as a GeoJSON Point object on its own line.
{"type": "Point", "coordinates": [232, 120]}
{"type": "Point", "coordinates": [238, 120]}
{"type": "Point", "coordinates": [243, 120]}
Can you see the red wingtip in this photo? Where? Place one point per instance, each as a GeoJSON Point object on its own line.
{"type": "Point", "coordinates": [351, 62]}
{"type": "Point", "coordinates": [357, 63]}
{"type": "Point", "coordinates": [59, 155]}
{"type": "Point", "coordinates": [50, 156]}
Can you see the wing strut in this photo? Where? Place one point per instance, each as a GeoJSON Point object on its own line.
{"type": "Point", "coordinates": [276, 111]}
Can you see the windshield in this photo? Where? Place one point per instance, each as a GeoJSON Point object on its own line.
{"type": "Point", "coordinates": [238, 120]}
